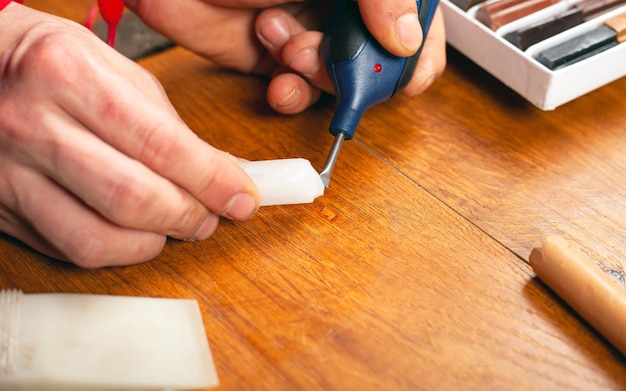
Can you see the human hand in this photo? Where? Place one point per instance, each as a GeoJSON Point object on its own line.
{"type": "Point", "coordinates": [96, 167]}
{"type": "Point", "coordinates": [281, 38]}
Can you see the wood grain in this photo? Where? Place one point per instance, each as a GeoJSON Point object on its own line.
{"type": "Point", "coordinates": [410, 273]}
{"type": "Point", "coordinates": [75, 10]}
{"type": "Point", "coordinates": [517, 172]}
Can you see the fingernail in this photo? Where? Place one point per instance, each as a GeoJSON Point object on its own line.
{"type": "Point", "coordinates": [241, 207]}
{"type": "Point", "coordinates": [274, 32]}
{"type": "Point", "coordinates": [291, 99]}
{"type": "Point", "coordinates": [207, 228]}
{"type": "Point", "coordinates": [305, 61]}
{"type": "Point", "coordinates": [409, 32]}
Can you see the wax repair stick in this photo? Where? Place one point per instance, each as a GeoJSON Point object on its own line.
{"type": "Point", "coordinates": [498, 13]}
{"type": "Point", "coordinates": [586, 288]}
{"type": "Point", "coordinates": [81, 342]}
{"type": "Point", "coordinates": [285, 181]}
{"type": "Point", "coordinates": [611, 33]}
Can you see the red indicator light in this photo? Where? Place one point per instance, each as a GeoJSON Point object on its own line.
{"type": "Point", "coordinates": [378, 68]}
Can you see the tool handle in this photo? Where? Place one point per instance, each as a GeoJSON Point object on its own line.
{"type": "Point", "coordinates": [362, 71]}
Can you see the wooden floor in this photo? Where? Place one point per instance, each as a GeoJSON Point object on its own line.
{"type": "Point", "coordinates": [411, 272]}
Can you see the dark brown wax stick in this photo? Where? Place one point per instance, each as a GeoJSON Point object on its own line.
{"type": "Point", "coordinates": [499, 13]}
{"type": "Point", "coordinates": [546, 28]}
{"type": "Point", "coordinates": [579, 13]}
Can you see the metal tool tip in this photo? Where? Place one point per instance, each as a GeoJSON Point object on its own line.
{"type": "Point", "coordinates": [325, 180]}
{"type": "Point", "coordinates": [332, 159]}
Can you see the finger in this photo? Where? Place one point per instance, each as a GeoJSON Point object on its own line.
{"type": "Point", "coordinates": [119, 188]}
{"type": "Point", "coordinates": [432, 61]}
{"type": "Point", "coordinates": [85, 239]}
{"type": "Point", "coordinates": [301, 54]}
{"type": "Point", "coordinates": [274, 28]}
{"type": "Point", "coordinates": [198, 26]}
{"type": "Point", "coordinates": [394, 24]}
{"type": "Point", "coordinates": [16, 228]}
{"type": "Point", "coordinates": [170, 149]}
{"type": "Point", "coordinates": [289, 93]}
{"type": "Point", "coordinates": [14, 225]}
{"type": "Point", "coordinates": [297, 50]}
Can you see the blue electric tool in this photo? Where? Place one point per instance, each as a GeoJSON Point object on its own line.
{"type": "Point", "coordinates": [363, 72]}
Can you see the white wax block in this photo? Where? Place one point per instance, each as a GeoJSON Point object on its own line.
{"type": "Point", "coordinates": [76, 342]}
{"type": "Point", "coordinates": [285, 181]}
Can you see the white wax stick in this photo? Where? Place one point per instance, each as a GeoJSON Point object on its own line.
{"type": "Point", "coordinates": [80, 342]}
{"type": "Point", "coordinates": [285, 181]}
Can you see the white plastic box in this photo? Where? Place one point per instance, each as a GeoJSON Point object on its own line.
{"type": "Point", "coordinates": [541, 86]}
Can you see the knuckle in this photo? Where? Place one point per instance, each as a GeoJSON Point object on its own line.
{"type": "Point", "coordinates": [43, 61]}
{"type": "Point", "coordinates": [188, 223]}
{"type": "Point", "coordinates": [130, 200]}
{"type": "Point", "coordinates": [44, 50]}
{"type": "Point", "coordinates": [87, 248]}
{"type": "Point", "coordinates": [135, 203]}
{"type": "Point", "coordinates": [158, 146]}
{"type": "Point", "coordinates": [94, 248]}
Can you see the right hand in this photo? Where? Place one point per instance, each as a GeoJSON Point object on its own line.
{"type": "Point", "coordinates": [96, 166]}
{"type": "Point", "coordinates": [281, 38]}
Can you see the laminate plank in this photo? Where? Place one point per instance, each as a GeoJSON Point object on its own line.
{"type": "Point", "coordinates": [409, 273]}
{"type": "Point", "coordinates": [517, 172]}
{"type": "Point", "coordinates": [376, 285]}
